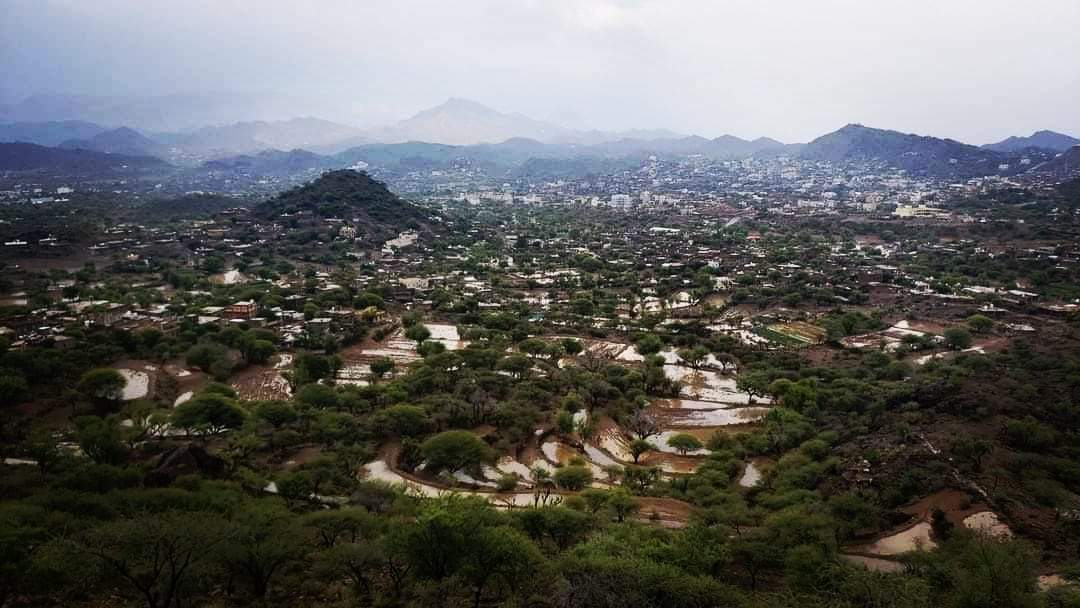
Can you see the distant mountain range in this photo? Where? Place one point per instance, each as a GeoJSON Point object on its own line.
{"type": "Point", "coordinates": [463, 130]}
{"type": "Point", "coordinates": [254, 136]}
{"type": "Point", "coordinates": [51, 133]}
{"type": "Point", "coordinates": [118, 141]}
{"type": "Point", "coordinates": [1046, 140]}
{"type": "Point", "coordinates": [32, 157]}
{"type": "Point", "coordinates": [273, 162]}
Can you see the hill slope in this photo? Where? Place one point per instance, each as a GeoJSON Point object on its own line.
{"type": "Point", "coordinates": [355, 197]}
{"type": "Point", "coordinates": [32, 157]}
{"type": "Point", "coordinates": [1065, 164]}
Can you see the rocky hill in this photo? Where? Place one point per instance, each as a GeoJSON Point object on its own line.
{"type": "Point", "coordinates": [916, 154]}
{"type": "Point", "coordinates": [357, 199]}
{"type": "Point", "coordinates": [118, 141]}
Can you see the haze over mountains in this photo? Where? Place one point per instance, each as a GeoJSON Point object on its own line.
{"type": "Point", "coordinates": [460, 129]}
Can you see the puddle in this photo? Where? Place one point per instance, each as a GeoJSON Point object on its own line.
{"type": "Point", "coordinates": [987, 522]}
{"type": "Point", "coordinates": [751, 475]}
{"type": "Point", "coordinates": [914, 538]}
{"type": "Point", "coordinates": [138, 384]}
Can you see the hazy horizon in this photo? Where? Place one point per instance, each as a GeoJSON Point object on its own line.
{"type": "Point", "coordinates": [973, 71]}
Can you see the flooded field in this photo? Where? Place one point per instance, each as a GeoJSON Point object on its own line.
{"type": "Point", "coordinates": [259, 382]}
{"type": "Point", "coordinates": [613, 442]}
{"type": "Point", "coordinates": [397, 347]}
{"type": "Point", "coordinates": [557, 453]}
{"type": "Point", "coordinates": [358, 374]}
{"type": "Point", "coordinates": [720, 417]}
{"type": "Point", "coordinates": [508, 465]}
{"type": "Point", "coordinates": [447, 335]}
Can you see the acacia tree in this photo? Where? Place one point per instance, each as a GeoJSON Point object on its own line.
{"type": "Point", "coordinates": [209, 413]}
{"type": "Point", "coordinates": [641, 478]}
{"type": "Point", "coordinates": [649, 344]}
{"type": "Point", "coordinates": [642, 425]}
{"type": "Point", "coordinates": [573, 477]}
{"type": "Point", "coordinates": [621, 504]}
{"type": "Point", "coordinates": [725, 360]}
{"type": "Point", "coordinates": [262, 544]}
{"type": "Point", "coordinates": [104, 386]}
{"type": "Point", "coordinates": [418, 333]}
{"type": "Point", "coordinates": [972, 450]}
{"type": "Point", "coordinates": [639, 447]}
{"type": "Point", "coordinates": [684, 443]}
{"type": "Point", "coordinates": [381, 366]}
{"type": "Point", "coordinates": [543, 484]}
{"type": "Point", "coordinates": [980, 323]}
{"type": "Point", "coordinates": [155, 556]}
{"type": "Point", "coordinates": [754, 384]}
{"type": "Point", "coordinates": [455, 451]}
{"type": "Point", "coordinates": [695, 356]}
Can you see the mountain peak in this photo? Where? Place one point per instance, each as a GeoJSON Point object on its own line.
{"type": "Point", "coordinates": [1044, 139]}
{"type": "Point", "coordinates": [460, 104]}
{"type": "Point", "coordinates": [854, 127]}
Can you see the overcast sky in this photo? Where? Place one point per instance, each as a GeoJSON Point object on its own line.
{"type": "Point", "coordinates": [975, 70]}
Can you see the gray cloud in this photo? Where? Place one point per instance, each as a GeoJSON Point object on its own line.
{"type": "Point", "coordinates": [975, 70]}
